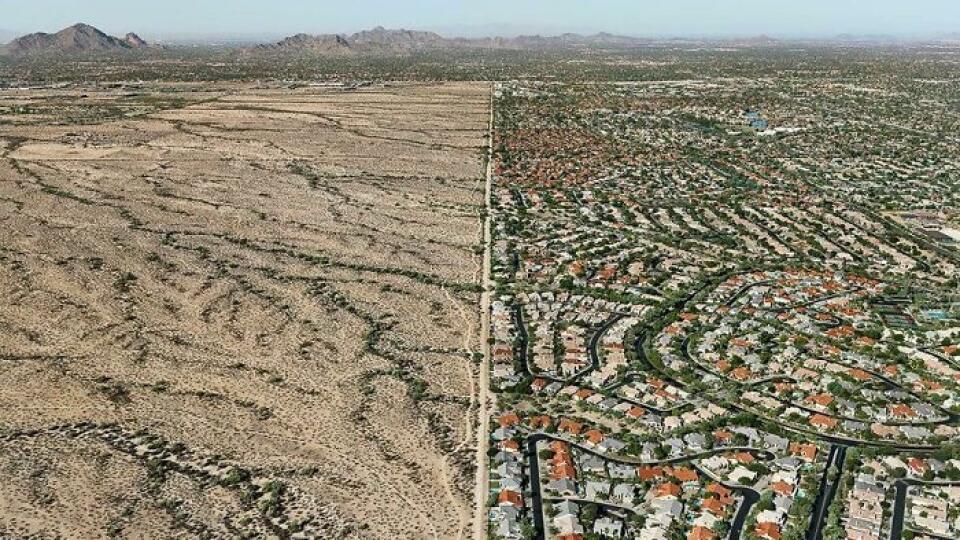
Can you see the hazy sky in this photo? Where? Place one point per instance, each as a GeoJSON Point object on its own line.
{"type": "Point", "coordinates": [784, 18]}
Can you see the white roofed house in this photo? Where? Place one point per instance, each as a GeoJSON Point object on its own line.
{"type": "Point", "coordinates": [625, 493]}
{"type": "Point", "coordinates": [566, 521]}
{"type": "Point", "coordinates": [608, 527]}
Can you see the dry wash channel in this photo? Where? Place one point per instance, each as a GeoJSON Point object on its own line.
{"type": "Point", "coordinates": [235, 311]}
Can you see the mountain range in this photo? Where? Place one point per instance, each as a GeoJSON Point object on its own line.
{"type": "Point", "coordinates": [77, 39]}
{"type": "Point", "coordinates": [82, 39]}
{"type": "Point", "coordinates": [383, 41]}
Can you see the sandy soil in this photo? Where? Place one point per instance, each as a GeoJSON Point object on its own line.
{"type": "Point", "coordinates": [248, 311]}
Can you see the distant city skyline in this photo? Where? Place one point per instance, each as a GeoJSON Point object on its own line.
{"type": "Point", "coordinates": [653, 18]}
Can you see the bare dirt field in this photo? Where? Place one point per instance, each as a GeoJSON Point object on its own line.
{"type": "Point", "coordinates": [240, 311]}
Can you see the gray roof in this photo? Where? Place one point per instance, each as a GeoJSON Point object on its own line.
{"type": "Point", "coordinates": [594, 488]}
{"type": "Point", "coordinates": [563, 486]}
{"type": "Point", "coordinates": [566, 507]}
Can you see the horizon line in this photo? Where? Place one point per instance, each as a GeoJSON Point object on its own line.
{"type": "Point", "coordinates": [448, 32]}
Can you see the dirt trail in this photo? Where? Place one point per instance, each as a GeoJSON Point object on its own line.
{"type": "Point", "coordinates": [483, 410]}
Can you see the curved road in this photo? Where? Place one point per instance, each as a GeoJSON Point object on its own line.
{"type": "Point", "coordinates": [750, 496]}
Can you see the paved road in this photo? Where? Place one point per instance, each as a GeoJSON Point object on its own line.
{"type": "Point", "coordinates": [832, 439]}
{"type": "Point", "coordinates": [827, 491]}
{"type": "Point", "coordinates": [523, 348]}
{"type": "Point", "coordinates": [900, 500]}
{"type": "Point", "coordinates": [750, 498]}
{"type": "Point", "coordinates": [762, 454]}
{"type": "Point", "coordinates": [743, 290]}
{"type": "Point", "coordinates": [535, 498]}
{"type": "Point", "coordinates": [899, 505]}
{"type": "Point", "coordinates": [592, 346]}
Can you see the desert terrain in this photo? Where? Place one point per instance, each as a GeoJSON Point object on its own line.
{"type": "Point", "coordinates": [240, 310]}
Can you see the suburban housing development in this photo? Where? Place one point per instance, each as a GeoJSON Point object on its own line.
{"type": "Point", "coordinates": [725, 308]}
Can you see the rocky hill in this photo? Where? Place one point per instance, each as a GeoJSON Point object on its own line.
{"type": "Point", "coordinates": [383, 41]}
{"type": "Point", "coordinates": [77, 39]}
{"type": "Point", "coordinates": [135, 41]}
{"type": "Point", "coordinates": [320, 44]}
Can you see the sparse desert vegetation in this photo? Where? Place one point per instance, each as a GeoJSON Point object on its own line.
{"type": "Point", "coordinates": [240, 310]}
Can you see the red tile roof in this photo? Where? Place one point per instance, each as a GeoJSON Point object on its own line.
{"type": "Point", "coordinates": [701, 533]}
{"type": "Point", "coordinates": [649, 473]}
{"type": "Point", "coordinates": [509, 419]}
{"type": "Point", "coordinates": [668, 489]}
{"type": "Point", "coordinates": [510, 497]}
{"type": "Point", "coordinates": [768, 530]}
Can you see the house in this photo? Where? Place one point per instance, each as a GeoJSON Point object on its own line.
{"type": "Point", "coordinates": [770, 531]}
{"type": "Point", "coordinates": [901, 410]}
{"type": "Point", "coordinates": [770, 516]}
{"type": "Point", "coordinates": [782, 505]}
{"type": "Point", "coordinates": [563, 487]}
{"type": "Point", "coordinates": [608, 527]}
{"type": "Point", "coordinates": [706, 520]}
{"type": "Point", "coordinates": [594, 437]}
{"type": "Point", "coordinates": [508, 419]}
{"type": "Point", "coordinates": [509, 497]}
{"type": "Point", "coordinates": [653, 531]}
{"type": "Point", "coordinates": [714, 506]}
{"type": "Point", "coordinates": [513, 483]}
{"type": "Point", "coordinates": [719, 490]}
{"type": "Point", "coordinates": [553, 388]}
{"type": "Point", "coordinates": [648, 473]}
{"type": "Point", "coordinates": [701, 533]}
{"type": "Point", "coordinates": [569, 426]}
{"type": "Point", "coordinates": [782, 488]}
{"type": "Point", "coordinates": [722, 436]}
{"type": "Point", "coordinates": [561, 463]}
{"type": "Point", "coordinates": [742, 475]}
{"type": "Point", "coordinates": [667, 490]}
{"type": "Point", "coordinates": [508, 469]}
{"type": "Point", "coordinates": [597, 489]}
{"type": "Point", "coordinates": [820, 401]}
{"type": "Point", "coordinates": [884, 431]}
{"type": "Point", "coordinates": [608, 404]}
{"type": "Point", "coordinates": [685, 475]}
{"type": "Point", "coordinates": [696, 441]}
{"type": "Point", "coordinates": [596, 400]}
{"type": "Point", "coordinates": [715, 462]}
{"type": "Point", "coordinates": [567, 525]}
{"type": "Point", "coordinates": [506, 522]}
{"type": "Point", "coordinates": [822, 421]}
{"type": "Point", "coordinates": [790, 463]}
{"type": "Point", "coordinates": [807, 451]}
{"type": "Point", "coordinates": [625, 493]}
{"type": "Point", "coordinates": [621, 471]}
{"type": "Point", "coordinates": [610, 444]}
{"type": "Point", "coordinates": [636, 412]}
{"type": "Point", "coordinates": [665, 511]}
{"type": "Point", "coordinates": [566, 508]}
{"type": "Point", "coordinates": [540, 422]}
{"type": "Point", "coordinates": [567, 521]}
{"type": "Point", "coordinates": [582, 394]}
{"type": "Point", "coordinates": [510, 445]}
{"type": "Point", "coordinates": [593, 464]}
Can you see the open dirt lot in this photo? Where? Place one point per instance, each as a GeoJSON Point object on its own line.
{"type": "Point", "coordinates": [232, 311]}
